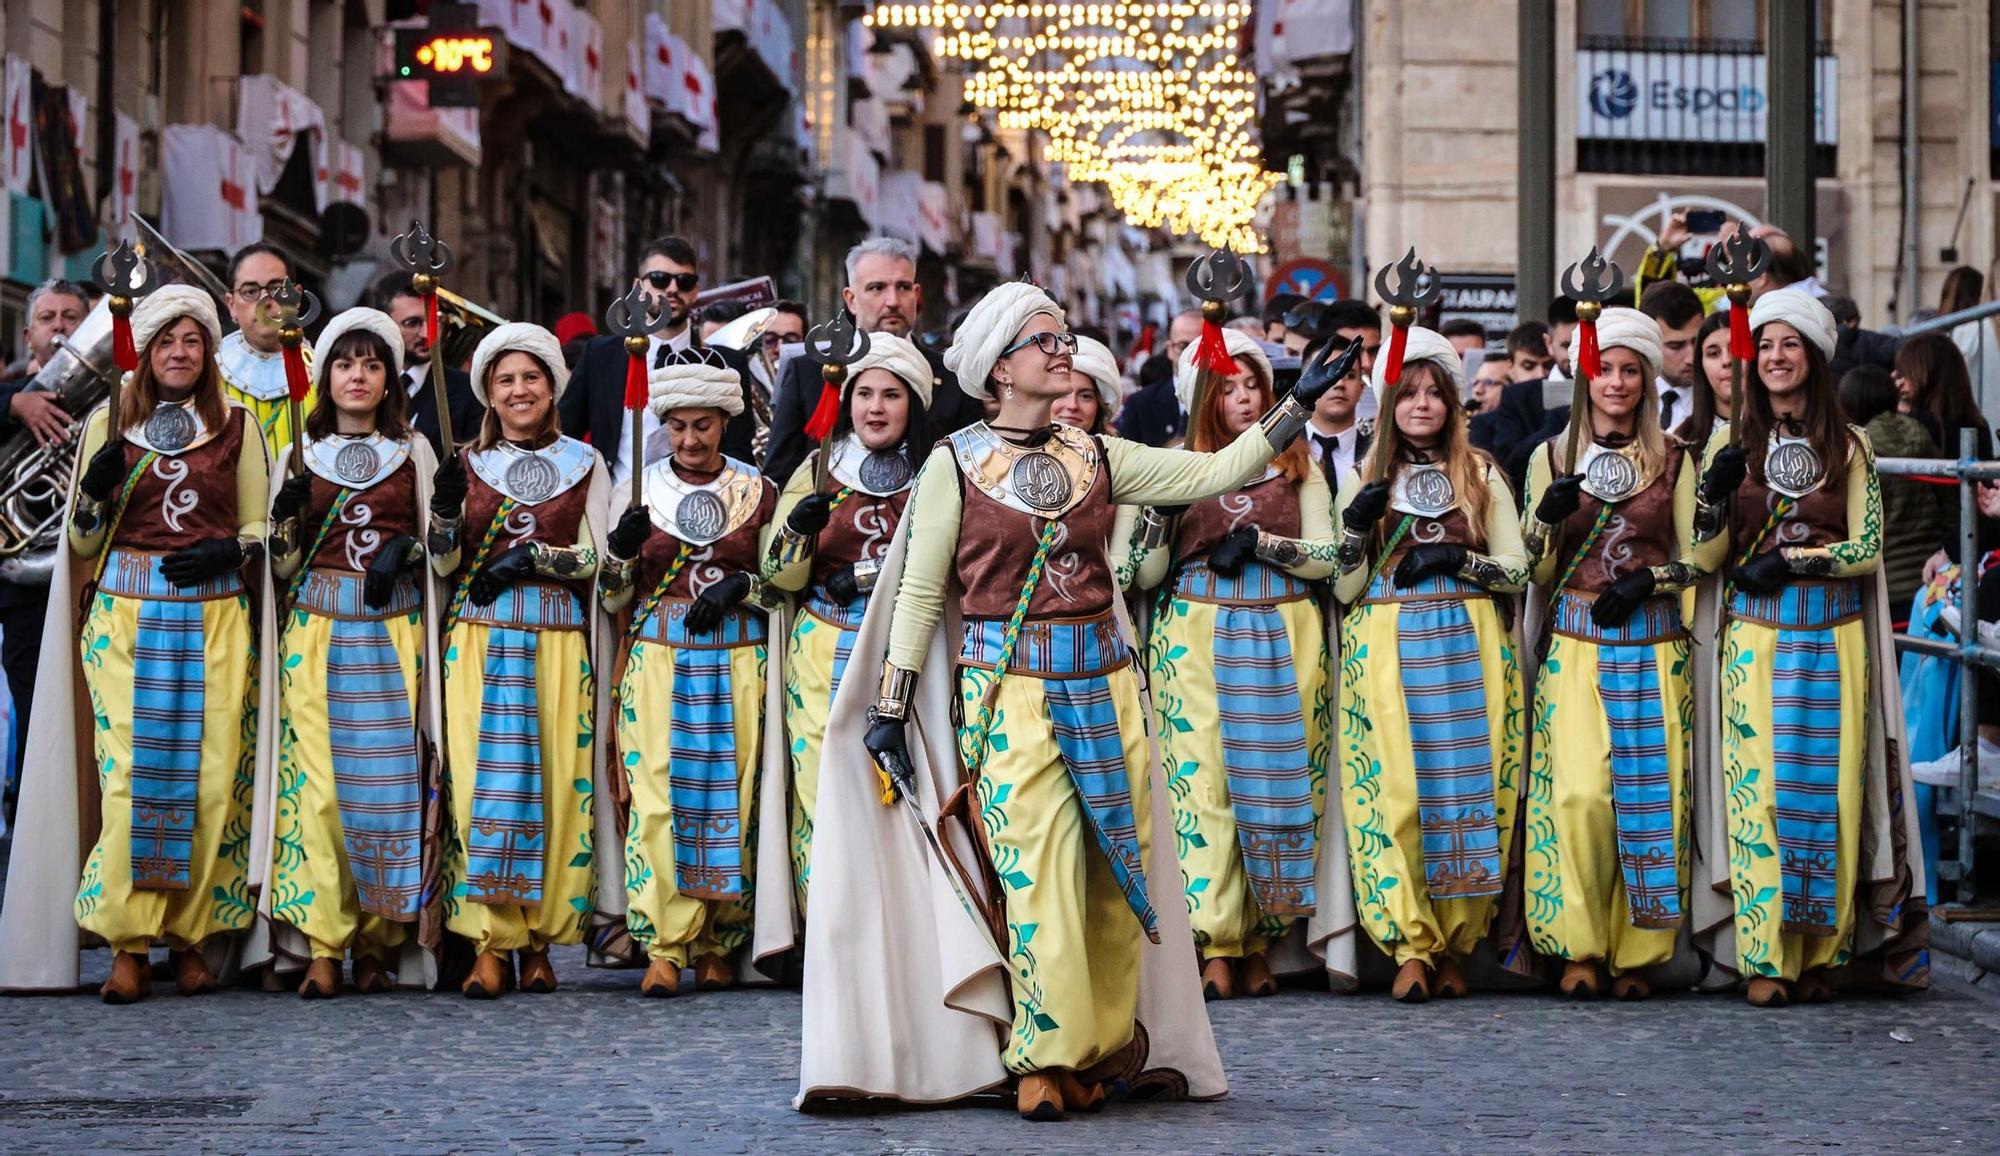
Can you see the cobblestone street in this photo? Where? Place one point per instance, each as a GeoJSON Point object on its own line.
{"type": "Point", "coordinates": [594, 1068]}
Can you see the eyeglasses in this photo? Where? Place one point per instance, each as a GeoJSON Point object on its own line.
{"type": "Point", "coordinates": [1048, 342]}
{"type": "Point", "coordinates": [774, 340]}
{"type": "Point", "coordinates": [685, 282]}
{"type": "Point", "coordinates": [253, 292]}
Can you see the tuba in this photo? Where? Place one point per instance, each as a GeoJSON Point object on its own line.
{"type": "Point", "coordinates": [746, 335]}
{"type": "Point", "coordinates": [34, 479]}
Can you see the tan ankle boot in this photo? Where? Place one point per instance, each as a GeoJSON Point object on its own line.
{"type": "Point", "coordinates": [1763, 992]}
{"type": "Point", "coordinates": [1631, 987]}
{"type": "Point", "coordinates": [713, 973]}
{"type": "Point", "coordinates": [1449, 981]}
{"type": "Point", "coordinates": [131, 979]}
{"type": "Point", "coordinates": [663, 980]}
{"type": "Point", "coordinates": [322, 980]}
{"type": "Point", "coordinates": [1039, 1097]}
{"type": "Point", "coordinates": [538, 975]}
{"type": "Point", "coordinates": [488, 978]}
{"type": "Point", "coordinates": [1413, 982]}
{"type": "Point", "coordinates": [1218, 979]}
{"type": "Point", "coordinates": [1813, 987]}
{"type": "Point", "coordinates": [191, 974]}
{"type": "Point", "coordinates": [371, 976]}
{"type": "Point", "coordinates": [1579, 980]}
{"type": "Point", "coordinates": [1077, 1095]}
{"type": "Point", "coordinates": [1257, 978]}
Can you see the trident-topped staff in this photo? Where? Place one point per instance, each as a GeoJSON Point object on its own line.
{"type": "Point", "coordinates": [297, 308]}
{"type": "Point", "coordinates": [1417, 286]}
{"type": "Point", "coordinates": [633, 318]}
{"type": "Point", "coordinates": [1215, 279]}
{"type": "Point", "coordinates": [1601, 282]}
{"type": "Point", "coordinates": [834, 344]}
{"type": "Point", "coordinates": [124, 276]}
{"type": "Point", "coordinates": [427, 259]}
{"type": "Point", "coordinates": [1733, 264]}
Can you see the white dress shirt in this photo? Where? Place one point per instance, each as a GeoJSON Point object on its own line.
{"type": "Point", "coordinates": [1681, 399]}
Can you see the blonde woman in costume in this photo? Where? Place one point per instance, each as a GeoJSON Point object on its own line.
{"type": "Point", "coordinates": [1429, 742]}
{"type": "Point", "coordinates": [516, 520]}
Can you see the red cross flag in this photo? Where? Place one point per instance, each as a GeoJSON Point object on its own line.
{"type": "Point", "coordinates": [271, 118]}
{"type": "Point", "coordinates": [125, 184]}
{"type": "Point", "coordinates": [17, 160]}
{"type": "Point", "coordinates": [662, 70]}
{"type": "Point", "coordinates": [209, 198]}
{"type": "Point", "coordinates": [637, 114]}
{"type": "Point", "coordinates": [350, 174]}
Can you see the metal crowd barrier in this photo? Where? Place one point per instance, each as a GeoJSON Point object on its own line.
{"type": "Point", "coordinates": [1968, 651]}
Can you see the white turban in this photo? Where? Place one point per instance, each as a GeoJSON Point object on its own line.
{"type": "Point", "coordinates": [1421, 345]}
{"type": "Point", "coordinates": [518, 337]}
{"type": "Point", "coordinates": [992, 326]}
{"type": "Point", "coordinates": [1093, 359]}
{"type": "Point", "coordinates": [368, 321]}
{"type": "Point", "coordinates": [1800, 310]}
{"type": "Point", "coordinates": [1622, 328]}
{"type": "Point", "coordinates": [158, 310]}
{"type": "Point", "coordinates": [1246, 349]}
{"type": "Point", "coordinates": [900, 356]}
{"type": "Point", "coordinates": [695, 379]}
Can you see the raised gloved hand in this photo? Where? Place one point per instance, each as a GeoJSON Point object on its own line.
{"type": "Point", "coordinates": [1323, 370]}
{"type": "Point", "coordinates": [1626, 595]}
{"type": "Point", "coordinates": [208, 558]}
{"type": "Point", "coordinates": [291, 499]}
{"type": "Point", "coordinates": [1724, 474]}
{"type": "Point", "coordinates": [887, 740]}
{"type": "Point", "coordinates": [1234, 552]}
{"type": "Point", "coordinates": [105, 473]}
{"type": "Point", "coordinates": [448, 488]}
{"type": "Point", "coordinates": [1560, 500]}
{"type": "Point", "coordinates": [711, 604]}
{"type": "Point", "coordinates": [1367, 508]}
{"type": "Point", "coordinates": [499, 572]}
{"type": "Point", "coordinates": [1767, 573]}
{"type": "Point", "coordinates": [1428, 559]}
{"type": "Point", "coordinates": [385, 569]}
{"type": "Point", "coordinates": [628, 537]}
{"type": "Point", "coordinates": [811, 515]}
{"type": "Point", "coordinates": [841, 586]}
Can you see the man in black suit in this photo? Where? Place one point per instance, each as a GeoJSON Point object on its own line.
{"type": "Point", "coordinates": [1152, 415]}
{"type": "Point", "coordinates": [883, 294]}
{"type": "Point", "coordinates": [405, 306]}
{"type": "Point", "coordinates": [593, 407]}
{"type": "Point", "coordinates": [1533, 409]}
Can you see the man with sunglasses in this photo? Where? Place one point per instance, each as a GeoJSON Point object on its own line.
{"type": "Point", "coordinates": [405, 306]}
{"type": "Point", "coordinates": [253, 370]}
{"type": "Point", "coordinates": [883, 293]}
{"type": "Point", "coordinates": [593, 407]}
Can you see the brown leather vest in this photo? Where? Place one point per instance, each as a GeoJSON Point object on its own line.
{"type": "Point", "coordinates": [184, 499]}
{"type": "Point", "coordinates": [736, 550]}
{"type": "Point", "coordinates": [1638, 535]}
{"type": "Point", "coordinates": [1271, 504]}
{"type": "Point", "coordinates": [861, 527]}
{"type": "Point", "coordinates": [996, 544]}
{"type": "Point", "coordinates": [555, 522]}
{"type": "Point", "coordinates": [372, 517]}
{"type": "Point", "coordinates": [1817, 519]}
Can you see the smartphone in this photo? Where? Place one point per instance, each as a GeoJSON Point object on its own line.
{"type": "Point", "coordinates": [1705, 222]}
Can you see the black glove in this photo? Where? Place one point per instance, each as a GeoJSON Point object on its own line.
{"type": "Point", "coordinates": [841, 586]}
{"type": "Point", "coordinates": [1725, 472]}
{"type": "Point", "coordinates": [1428, 559]}
{"type": "Point", "coordinates": [887, 739]}
{"type": "Point", "coordinates": [1627, 594]}
{"type": "Point", "coordinates": [711, 604]}
{"type": "Point", "coordinates": [105, 473]}
{"type": "Point", "coordinates": [1560, 500]}
{"type": "Point", "coordinates": [1323, 371]}
{"type": "Point", "coordinates": [1367, 508]}
{"type": "Point", "coordinates": [628, 537]}
{"type": "Point", "coordinates": [811, 515]}
{"type": "Point", "coordinates": [448, 488]}
{"type": "Point", "coordinates": [1767, 573]}
{"type": "Point", "coordinates": [291, 499]}
{"type": "Point", "coordinates": [499, 572]}
{"type": "Point", "coordinates": [1234, 552]}
{"type": "Point", "coordinates": [208, 558]}
{"type": "Point", "coordinates": [385, 569]}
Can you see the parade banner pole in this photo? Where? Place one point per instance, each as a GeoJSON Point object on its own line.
{"type": "Point", "coordinates": [1215, 279]}
{"type": "Point", "coordinates": [834, 345]}
{"type": "Point", "coordinates": [1417, 286]}
{"type": "Point", "coordinates": [1601, 282]}
{"type": "Point", "coordinates": [632, 317]}
{"type": "Point", "coordinates": [1733, 264]}
{"type": "Point", "coordinates": [124, 277]}
{"type": "Point", "coordinates": [297, 308]}
{"type": "Point", "coordinates": [427, 259]}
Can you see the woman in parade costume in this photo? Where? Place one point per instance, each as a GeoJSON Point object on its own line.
{"type": "Point", "coordinates": [1610, 538]}
{"type": "Point", "coordinates": [1238, 662]}
{"type": "Point", "coordinates": [1712, 383]}
{"type": "Point", "coordinates": [515, 522]}
{"type": "Point", "coordinates": [829, 546]}
{"type": "Point", "coordinates": [1815, 809]}
{"type": "Point", "coordinates": [167, 512]}
{"type": "Point", "coordinates": [1010, 523]}
{"type": "Point", "coordinates": [353, 686]}
{"type": "Point", "coordinates": [1429, 724]}
{"type": "Point", "coordinates": [690, 698]}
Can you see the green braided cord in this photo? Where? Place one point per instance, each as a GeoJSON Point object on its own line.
{"type": "Point", "coordinates": [1008, 638]}
{"type": "Point", "coordinates": [652, 602]}
{"type": "Point", "coordinates": [1589, 540]}
{"type": "Point", "coordinates": [500, 513]}
{"type": "Point", "coordinates": [1388, 549]}
{"type": "Point", "coordinates": [1778, 513]}
{"type": "Point", "coordinates": [325, 527]}
{"type": "Point", "coordinates": [118, 512]}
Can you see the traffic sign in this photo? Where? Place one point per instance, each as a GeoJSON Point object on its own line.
{"type": "Point", "coordinates": [1309, 277]}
